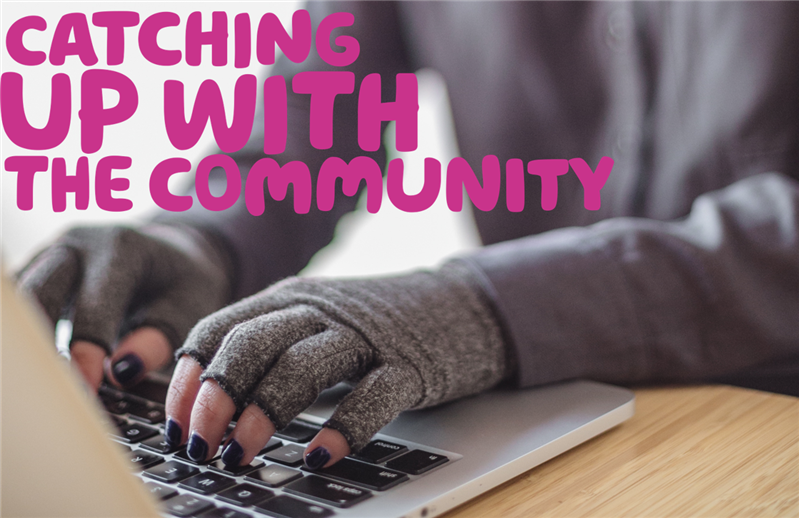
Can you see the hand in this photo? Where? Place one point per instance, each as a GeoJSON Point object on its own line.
{"type": "Point", "coordinates": [410, 341]}
{"type": "Point", "coordinates": [134, 294]}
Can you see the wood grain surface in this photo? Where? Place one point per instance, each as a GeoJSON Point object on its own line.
{"type": "Point", "coordinates": [689, 451]}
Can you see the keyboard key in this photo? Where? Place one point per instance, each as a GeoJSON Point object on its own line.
{"type": "Point", "coordinates": [171, 471]}
{"type": "Point", "coordinates": [299, 431]}
{"type": "Point", "coordinates": [105, 390]}
{"type": "Point", "coordinates": [273, 475]}
{"type": "Point", "coordinates": [143, 460]}
{"type": "Point", "coordinates": [376, 478]}
{"type": "Point", "coordinates": [287, 507]}
{"type": "Point", "coordinates": [159, 491]}
{"type": "Point", "coordinates": [417, 462]}
{"type": "Point", "coordinates": [290, 455]}
{"type": "Point", "coordinates": [327, 491]}
{"type": "Point", "coordinates": [378, 452]}
{"type": "Point", "coordinates": [158, 444]}
{"type": "Point", "coordinates": [236, 471]}
{"type": "Point", "coordinates": [152, 414]}
{"type": "Point", "coordinates": [186, 505]}
{"type": "Point", "coordinates": [115, 406]}
{"type": "Point", "coordinates": [245, 495]}
{"type": "Point", "coordinates": [207, 483]}
{"type": "Point", "coordinates": [220, 512]}
{"type": "Point", "coordinates": [133, 433]}
{"type": "Point", "coordinates": [271, 445]}
{"type": "Point", "coordinates": [184, 456]}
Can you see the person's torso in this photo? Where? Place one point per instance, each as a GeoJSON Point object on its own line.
{"type": "Point", "coordinates": [685, 97]}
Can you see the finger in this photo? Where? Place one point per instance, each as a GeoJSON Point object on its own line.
{"type": "Point", "coordinates": [252, 432]}
{"type": "Point", "coordinates": [52, 277]}
{"type": "Point", "coordinates": [213, 409]}
{"type": "Point", "coordinates": [307, 368]}
{"type": "Point", "coordinates": [141, 351]}
{"type": "Point", "coordinates": [379, 398]}
{"type": "Point", "coordinates": [295, 381]}
{"type": "Point", "coordinates": [206, 337]}
{"type": "Point", "coordinates": [327, 448]}
{"type": "Point", "coordinates": [180, 397]}
{"type": "Point", "coordinates": [251, 348]}
{"type": "Point", "coordinates": [87, 358]}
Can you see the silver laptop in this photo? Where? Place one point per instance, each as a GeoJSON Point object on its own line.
{"type": "Point", "coordinates": [65, 455]}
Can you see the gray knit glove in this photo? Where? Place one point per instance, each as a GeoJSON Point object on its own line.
{"type": "Point", "coordinates": [410, 341]}
{"type": "Point", "coordinates": [116, 279]}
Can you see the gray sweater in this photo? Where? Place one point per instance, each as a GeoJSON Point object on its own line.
{"type": "Point", "coordinates": [690, 269]}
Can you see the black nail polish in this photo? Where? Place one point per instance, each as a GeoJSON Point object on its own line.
{"type": "Point", "coordinates": [232, 454]}
{"type": "Point", "coordinates": [198, 448]}
{"type": "Point", "coordinates": [317, 458]}
{"type": "Point", "coordinates": [127, 369]}
{"type": "Point", "coordinates": [172, 433]}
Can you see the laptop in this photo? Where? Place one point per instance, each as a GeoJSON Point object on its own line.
{"type": "Point", "coordinates": [68, 453]}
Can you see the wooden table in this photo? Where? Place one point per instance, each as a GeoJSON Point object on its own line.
{"type": "Point", "coordinates": [689, 451]}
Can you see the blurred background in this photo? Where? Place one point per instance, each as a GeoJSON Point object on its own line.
{"type": "Point", "coordinates": [365, 244]}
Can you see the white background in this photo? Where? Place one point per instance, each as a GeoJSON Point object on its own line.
{"type": "Point", "coordinates": [365, 243]}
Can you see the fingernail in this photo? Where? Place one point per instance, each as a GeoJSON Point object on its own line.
{"type": "Point", "coordinates": [317, 458]}
{"type": "Point", "coordinates": [128, 369]}
{"type": "Point", "coordinates": [198, 448]}
{"type": "Point", "coordinates": [232, 454]}
{"type": "Point", "coordinates": [173, 433]}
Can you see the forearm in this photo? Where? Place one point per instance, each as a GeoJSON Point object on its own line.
{"type": "Point", "coordinates": [634, 300]}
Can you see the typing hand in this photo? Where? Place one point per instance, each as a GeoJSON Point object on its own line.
{"type": "Point", "coordinates": [409, 341]}
{"type": "Point", "coordinates": [133, 295]}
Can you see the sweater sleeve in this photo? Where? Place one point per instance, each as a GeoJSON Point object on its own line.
{"type": "Point", "coordinates": [636, 300]}
{"type": "Point", "coordinates": [280, 242]}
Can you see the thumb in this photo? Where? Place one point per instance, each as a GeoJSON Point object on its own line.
{"type": "Point", "coordinates": [87, 359]}
{"type": "Point", "coordinates": [141, 351]}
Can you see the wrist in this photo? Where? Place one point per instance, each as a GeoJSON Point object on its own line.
{"type": "Point", "coordinates": [474, 277]}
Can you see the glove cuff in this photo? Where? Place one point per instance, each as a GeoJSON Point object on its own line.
{"type": "Point", "coordinates": [467, 310]}
{"type": "Point", "coordinates": [471, 273]}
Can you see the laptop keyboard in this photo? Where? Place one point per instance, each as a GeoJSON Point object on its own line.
{"type": "Point", "coordinates": [275, 484]}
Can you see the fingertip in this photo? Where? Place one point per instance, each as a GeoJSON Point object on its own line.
{"type": "Point", "coordinates": [173, 433]}
{"type": "Point", "coordinates": [327, 448]}
{"type": "Point", "coordinates": [252, 432]}
{"type": "Point", "coordinates": [142, 350]}
{"type": "Point", "coordinates": [317, 458]}
{"type": "Point", "coordinates": [233, 453]}
{"type": "Point", "coordinates": [87, 358]}
{"type": "Point", "coordinates": [212, 411]}
{"type": "Point", "coordinates": [183, 389]}
{"type": "Point", "coordinates": [127, 370]}
{"type": "Point", "coordinates": [197, 448]}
